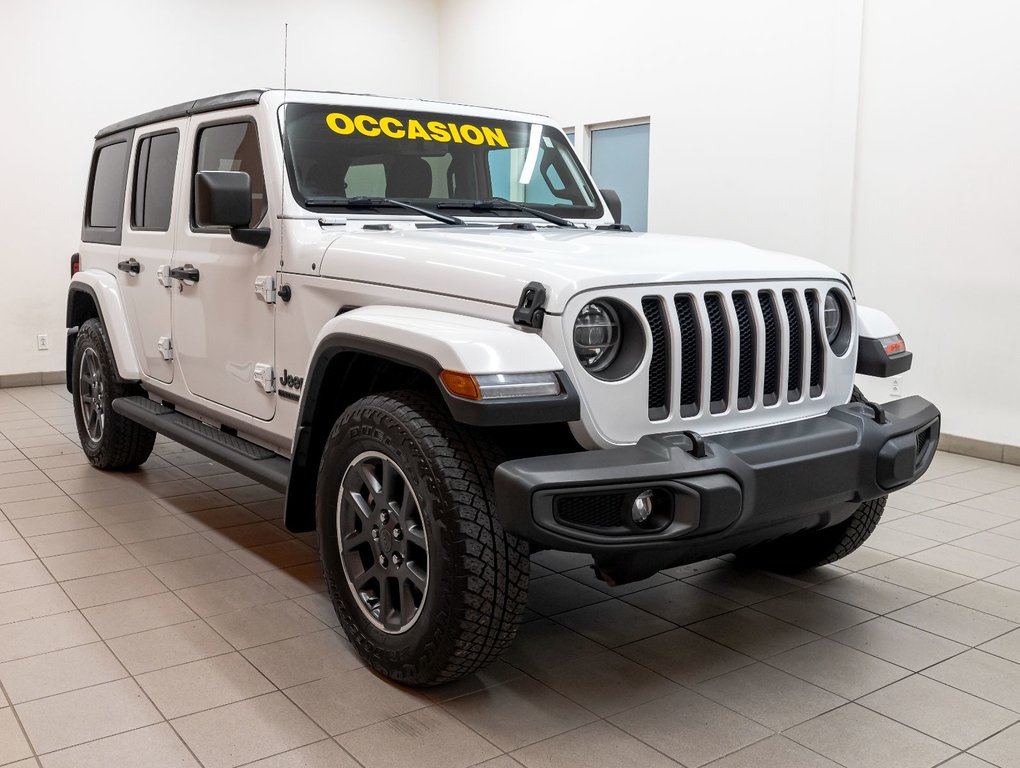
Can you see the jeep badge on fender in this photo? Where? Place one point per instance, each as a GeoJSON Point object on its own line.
{"type": "Point", "coordinates": [491, 363]}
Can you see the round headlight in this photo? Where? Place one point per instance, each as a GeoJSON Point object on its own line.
{"type": "Point", "coordinates": [833, 316]}
{"type": "Point", "coordinates": [597, 336]}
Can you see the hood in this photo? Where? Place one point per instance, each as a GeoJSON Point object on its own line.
{"type": "Point", "coordinates": [493, 265]}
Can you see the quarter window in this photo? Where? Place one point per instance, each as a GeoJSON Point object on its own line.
{"type": "Point", "coordinates": [235, 147]}
{"type": "Point", "coordinates": [106, 197]}
{"type": "Point", "coordinates": [154, 181]}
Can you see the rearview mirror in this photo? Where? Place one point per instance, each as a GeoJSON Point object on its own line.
{"type": "Point", "coordinates": [222, 199]}
{"type": "Point", "coordinates": [613, 201]}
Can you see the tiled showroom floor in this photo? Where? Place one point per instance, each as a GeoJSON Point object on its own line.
{"type": "Point", "coordinates": [164, 618]}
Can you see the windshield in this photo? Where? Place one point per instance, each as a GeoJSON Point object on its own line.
{"type": "Point", "coordinates": [335, 153]}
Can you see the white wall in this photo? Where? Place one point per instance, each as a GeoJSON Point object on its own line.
{"type": "Point", "coordinates": [752, 104]}
{"type": "Point", "coordinates": [72, 68]}
{"type": "Point", "coordinates": [937, 208]}
{"type": "Point", "coordinates": [887, 147]}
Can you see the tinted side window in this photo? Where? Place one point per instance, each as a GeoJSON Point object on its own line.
{"type": "Point", "coordinates": [106, 193]}
{"type": "Point", "coordinates": [154, 181]}
{"type": "Point", "coordinates": [234, 147]}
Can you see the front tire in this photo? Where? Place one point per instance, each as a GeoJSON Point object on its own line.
{"type": "Point", "coordinates": [109, 440]}
{"type": "Point", "coordinates": [426, 583]}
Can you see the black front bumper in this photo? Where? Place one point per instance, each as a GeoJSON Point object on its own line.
{"type": "Point", "coordinates": [722, 493]}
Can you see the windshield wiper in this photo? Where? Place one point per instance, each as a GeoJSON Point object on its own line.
{"type": "Point", "coordinates": [383, 202]}
{"type": "Point", "coordinates": [502, 204]}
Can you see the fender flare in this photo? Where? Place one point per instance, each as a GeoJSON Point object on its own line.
{"type": "Point", "coordinates": [874, 323]}
{"type": "Point", "coordinates": [102, 288]}
{"type": "Point", "coordinates": [428, 341]}
{"type": "Point", "coordinates": [872, 359]}
{"type": "Point", "coordinates": [434, 341]}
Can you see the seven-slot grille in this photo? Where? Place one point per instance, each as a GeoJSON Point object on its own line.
{"type": "Point", "coordinates": [736, 350]}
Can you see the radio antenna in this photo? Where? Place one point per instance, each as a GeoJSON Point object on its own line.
{"type": "Point", "coordinates": [283, 168]}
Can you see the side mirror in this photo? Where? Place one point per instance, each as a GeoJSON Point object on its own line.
{"type": "Point", "coordinates": [613, 201]}
{"type": "Point", "coordinates": [223, 199]}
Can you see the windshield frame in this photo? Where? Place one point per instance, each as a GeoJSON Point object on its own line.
{"type": "Point", "coordinates": [579, 175]}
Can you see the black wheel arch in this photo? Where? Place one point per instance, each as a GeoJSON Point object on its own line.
{"type": "Point", "coordinates": [346, 368]}
{"type": "Point", "coordinates": [82, 305]}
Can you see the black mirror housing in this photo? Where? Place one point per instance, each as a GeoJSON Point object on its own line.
{"type": "Point", "coordinates": [222, 199]}
{"type": "Point", "coordinates": [613, 201]}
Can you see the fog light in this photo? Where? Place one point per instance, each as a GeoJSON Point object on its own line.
{"type": "Point", "coordinates": [641, 508]}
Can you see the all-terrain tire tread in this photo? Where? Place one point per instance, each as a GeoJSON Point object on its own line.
{"type": "Point", "coordinates": [493, 567]}
{"type": "Point", "coordinates": [125, 444]}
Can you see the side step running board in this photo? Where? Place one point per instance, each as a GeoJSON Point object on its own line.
{"type": "Point", "coordinates": [247, 458]}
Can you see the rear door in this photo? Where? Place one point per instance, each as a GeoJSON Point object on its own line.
{"type": "Point", "coordinates": [222, 331]}
{"type": "Point", "coordinates": [148, 242]}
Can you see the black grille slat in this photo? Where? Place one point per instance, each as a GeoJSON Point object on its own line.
{"type": "Point", "coordinates": [745, 373]}
{"type": "Point", "coordinates": [795, 359]}
{"type": "Point", "coordinates": [594, 511]}
{"type": "Point", "coordinates": [690, 355]}
{"type": "Point", "coordinates": [770, 383]}
{"type": "Point", "coordinates": [658, 368]}
{"type": "Point", "coordinates": [720, 376]}
{"type": "Point", "coordinates": [817, 359]}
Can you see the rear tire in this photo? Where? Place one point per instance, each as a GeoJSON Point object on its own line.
{"type": "Point", "coordinates": [109, 440]}
{"type": "Point", "coordinates": [426, 583]}
{"type": "Point", "coordinates": [811, 549]}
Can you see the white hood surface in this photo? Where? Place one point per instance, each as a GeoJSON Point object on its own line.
{"type": "Point", "coordinates": [493, 265]}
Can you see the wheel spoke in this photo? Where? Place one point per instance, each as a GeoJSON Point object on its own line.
{"type": "Point", "coordinates": [407, 602]}
{"type": "Point", "coordinates": [386, 602]}
{"type": "Point", "coordinates": [370, 479]}
{"type": "Point", "coordinates": [407, 503]}
{"type": "Point", "coordinates": [388, 479]}
{"type": "Point", "coordinates": [415, 535]}
{"type": "Point", "coordinates": [361, 505]}
{"type": "Point", "coordinates": [373, 573]}
{"type": "Point", "coordinates": [355, 539]}
{"type": "Point", "coordinates": [415, 575]}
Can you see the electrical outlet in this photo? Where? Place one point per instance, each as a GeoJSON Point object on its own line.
{"type": "Point", "coordinates": [42, 341]}
{"type": "Point", "coordinates": [895, 387]}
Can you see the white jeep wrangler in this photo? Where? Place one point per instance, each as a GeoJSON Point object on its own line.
{"type": "Point", "coordinates": [422, 322]}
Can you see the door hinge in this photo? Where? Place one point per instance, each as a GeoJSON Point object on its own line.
{"type": "Point", "coordinates": [264, 377]}
{"type": "Point", "coordinates": [265, 288]}
{"type": "Point", "coordinates": [165, 347]}
{"type": "Point", "coordinates": [163, 275]}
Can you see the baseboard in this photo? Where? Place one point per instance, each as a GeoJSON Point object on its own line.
{"type": "Point", "coordinates": [32, 379]}
{"type": "Point", "coordinates": [980, 449]}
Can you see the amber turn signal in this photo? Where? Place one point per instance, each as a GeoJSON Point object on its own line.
{"type": "Point", "coordinates": [461, 384]}
{"type": "Point", "coordinates": [893, 345]}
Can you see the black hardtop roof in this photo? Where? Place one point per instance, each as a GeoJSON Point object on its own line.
{"type": "Point", "coordinates": [220, 101]}
{"type": "Point", "coordinates": [208, 104]}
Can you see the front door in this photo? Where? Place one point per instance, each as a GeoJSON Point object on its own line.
{"type": "Point", "coordinates": [223, 333]}
{"type": "Point", "coordinates": [147, 243]}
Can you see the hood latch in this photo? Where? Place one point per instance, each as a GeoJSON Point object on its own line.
{"type": "Point", "coordinates": [530, 310]}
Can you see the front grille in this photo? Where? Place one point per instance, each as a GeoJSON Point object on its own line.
{"type": "Point", "coordinates": [720, 341]}
{"type": "Point", "coordinates": [658, 389]}
{"type": "Point", "coordinates": [796, 344]}
{"type": "Point", "coordinates": [817, 361]}
{"type": "Point", "coordinates": [745, 377]}
{"type": "Point", "coordinates": [592, 511]}
{"type": "Point", "coordinates": [735, 345]}
{"type": "Point", "coordinates": [770, 384]}
{"type": "Point", "coordinates": [690, 356]}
